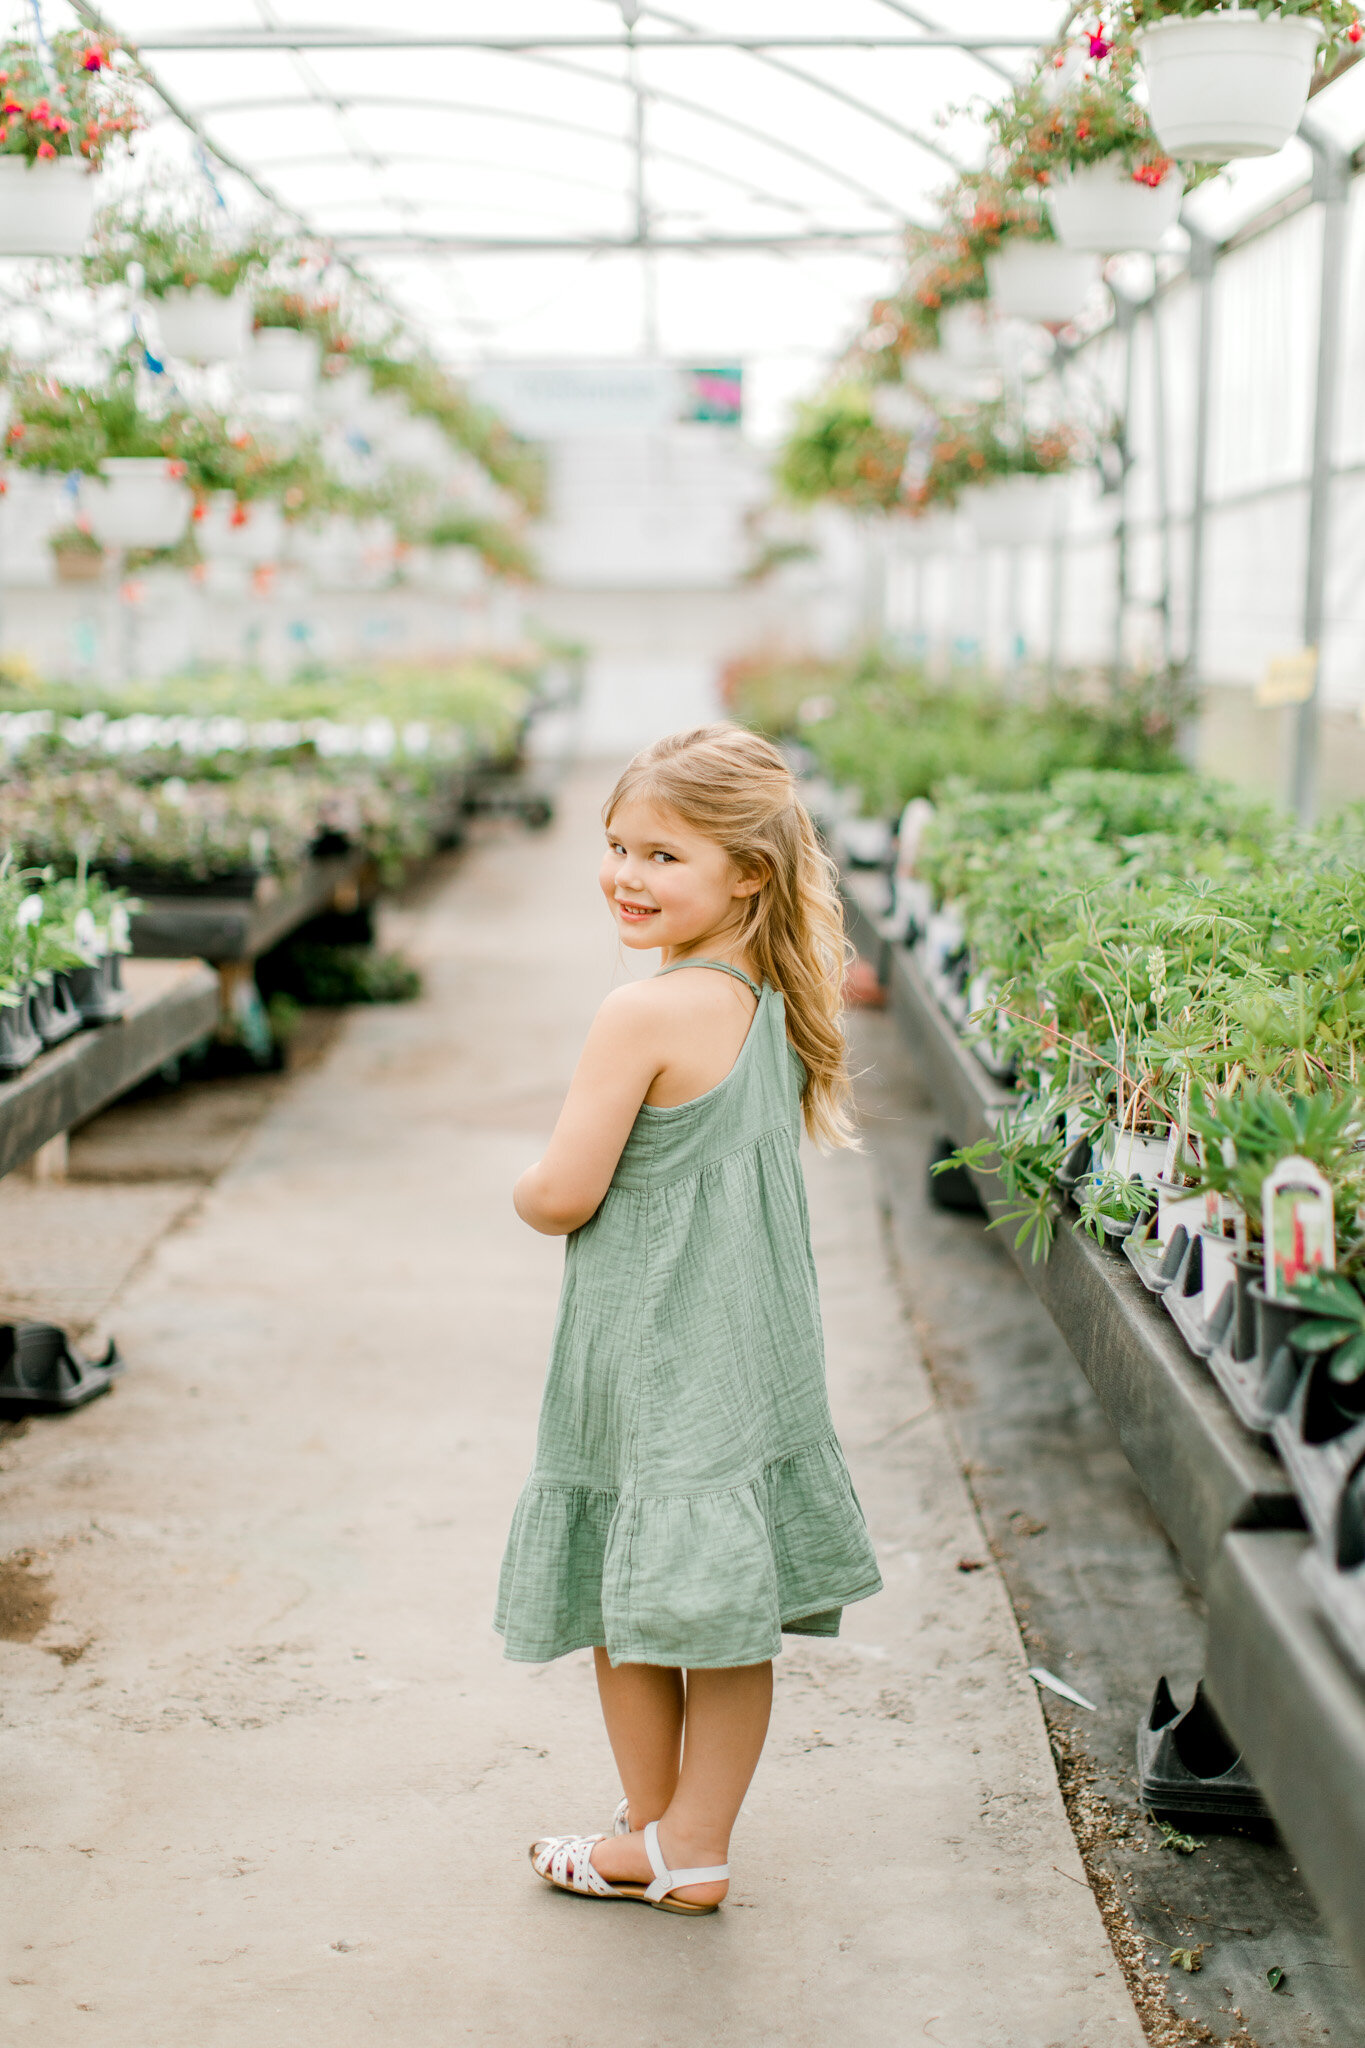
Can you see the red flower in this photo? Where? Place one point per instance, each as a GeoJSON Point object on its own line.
{"type": "Point", "coordinates": [45, 152]}
{"type": "Point", "coordinates": [94, 58]}
{"type": "Point", "coordinates": [1153, 173]}
{"type": "Point", "coordinates": [1098, 46]}
{"type": "Point", "coordinates": [41, 110]}
{"type": "Point", "coordinates": [1082, 131]}
{"type": "Point", "coordinates": [239, 515]}
{"type": "Point", "coordinates": [200, 508]}
{"type": "Point", "coordinates": [12, 106]}
{"type": "Point", "coordinates": [175, 470]}
{"type": "Point", "coordinates": [1354, 32]}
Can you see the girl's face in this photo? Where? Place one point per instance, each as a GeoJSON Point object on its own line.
{"type": "Point", "coordinates": [666, 883]}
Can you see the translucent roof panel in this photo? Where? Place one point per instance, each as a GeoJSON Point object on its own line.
{"type": "Point", "coordinates": [729, 178]}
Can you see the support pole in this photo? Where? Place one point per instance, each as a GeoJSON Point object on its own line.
{"type": "Point", "coordinates": [1125, 319]}
{"type": "Point", "coordinates": [1203, 258]}
{"type": "Point", "coordinates": [1331, 186]}
{"type": "Point", "coordinates": [1162, 478]}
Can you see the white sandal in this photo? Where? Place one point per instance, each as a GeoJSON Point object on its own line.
{"type": "Point", "coordinates": [565, 1861]}
{"type": "Point", "coordinates": [621, 1820]}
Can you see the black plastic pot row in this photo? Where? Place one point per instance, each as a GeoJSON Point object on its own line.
{"type": "Point", "coordinates": [46, 1013]}
{"type": "Point", "coordinates": [1267, 1537]}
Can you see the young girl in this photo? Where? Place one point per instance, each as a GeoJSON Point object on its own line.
{"type": "Point", "coordinates": [689, 1500]}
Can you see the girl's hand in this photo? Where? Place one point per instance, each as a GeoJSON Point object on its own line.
{"type": "Point", "coordinates": [625, 1050]}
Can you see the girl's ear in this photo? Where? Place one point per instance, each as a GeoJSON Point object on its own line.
{"type": "Point", "coordinates": [749, 885]}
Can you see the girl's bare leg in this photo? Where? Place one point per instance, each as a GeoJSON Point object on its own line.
{"type": "Point", "coordinates": [726, 1724]}
{"type": "Point", "coordinates": [642, 1705]}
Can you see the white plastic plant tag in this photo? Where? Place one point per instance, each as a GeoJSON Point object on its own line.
{"type": "Point", "coordinates": [1298, 1225]}
{"type": "Point", "coordinates": [85, 932]}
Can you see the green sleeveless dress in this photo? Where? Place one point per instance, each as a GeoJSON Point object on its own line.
{"type": "Point", "coordinates": [689, 1499]}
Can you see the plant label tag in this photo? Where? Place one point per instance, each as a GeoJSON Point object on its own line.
{"type": "Point", "coordinates": [1171, 1155]}
{"type": "Point", "coordinates": [1298, 1223]}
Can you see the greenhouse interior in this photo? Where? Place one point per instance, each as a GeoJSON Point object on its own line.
{"type": "Point", "coordinates": [877, 493]}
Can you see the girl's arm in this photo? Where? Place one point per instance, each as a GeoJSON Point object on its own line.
{"type": "Point", "coordinates": [618, 1066]}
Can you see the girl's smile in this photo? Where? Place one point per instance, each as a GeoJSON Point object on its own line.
{"type": "Point", "coordinates": [669, 885]}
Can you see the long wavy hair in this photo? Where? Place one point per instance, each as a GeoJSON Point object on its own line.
{"type": "Point", "coordinates": [735, 787]}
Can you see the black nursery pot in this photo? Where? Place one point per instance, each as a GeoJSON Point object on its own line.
{"type": "Point", "coordinates": [1247, 1270]}
{"type": "Point", "coordinates": [1276, 1319]}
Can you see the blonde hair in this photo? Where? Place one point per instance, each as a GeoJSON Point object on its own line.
{"type": "Point", "coordinates": [736, 788]}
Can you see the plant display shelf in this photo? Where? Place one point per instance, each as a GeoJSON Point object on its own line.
{"type": "Point", "coordinates": [170, 1004]}
{"type": "Point", "coordinates": [1274, 1674]}
{"type": "Point", "coordinates": [231, 929]}
{"type": "Point", "coordinates": [1298, 1714]}
{"type": "Point", "coordinates": [1201, 1470]}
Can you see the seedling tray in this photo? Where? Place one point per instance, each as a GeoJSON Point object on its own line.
{"type": "Point", "coordinates": [169, 1005]}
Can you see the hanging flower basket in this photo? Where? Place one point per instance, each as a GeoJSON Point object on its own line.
{"type": "Point", "coordinates": [201, 325]}
{"type": "Point", "coordinates": [283, 360]}
{"type": "Point", "coordinates": [139, 501]}
{"type": "Point", "coordinates": [1103, 208]}
{"type": "Point", "coordinates": [1016, 511]}
{"type": "Point", "coordinates": [47, 207]}
{"type": "Point", "coordinates": [1230, 84]}
{"type": "Point", "coordinates": [1040, 281]}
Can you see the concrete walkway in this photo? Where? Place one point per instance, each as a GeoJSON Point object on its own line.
{"type": "Point", "coordinates": [267, 1778]}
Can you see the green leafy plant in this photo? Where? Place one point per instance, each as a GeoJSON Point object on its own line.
{"type": "Point", "coordinates": [1336, 1326]}
{"type": "Point", "coordinates": [1340, 18]}
{"type": "Point", "coordinates": [498, 545]}
{"type": "Point", "coordinates": [174, 253]}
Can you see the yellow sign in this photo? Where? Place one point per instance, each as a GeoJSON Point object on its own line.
{"type": "Point", "coordinates": [1289, 678]}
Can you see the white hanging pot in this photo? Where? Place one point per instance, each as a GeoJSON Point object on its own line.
{"type": "Point", "coordinates": [1016, 511]}
{"type": "Point", "coordinates": [284, 360]}
{"type": "Point", "coordinates": [139, 502]}
{"type": "Point", "coordinates": [342, 395]}
{"type": "Point", "coordinates": [1102, 209]}
{"type": "Point", "coordinates": [967, 335]}
{"type": "Point", "coordinates": [251, 533]}
{"type": "Point", "coordinates": [46, 209]}
{"type": "Point", "coordinates": [202, 326]}
{"type": "Point", "coordinates": [1042, 281]}
{"type": "Point", "coordinates": [1228, 84]}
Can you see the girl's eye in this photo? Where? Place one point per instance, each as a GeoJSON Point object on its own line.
{"type": "Point", "coordinates": [661, 856]}
{"type": "Point", "coordinates": [613, 846]}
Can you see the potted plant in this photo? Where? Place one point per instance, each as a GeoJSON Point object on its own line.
{"type": "Point", "coordinates": [1077, 132]}
{"type": "Point", "coordinates": [135, 494]}
{"type": "Point", "coordinates": [1008, 476]}
{"type": "Point", "coordinates": [1231, 80]}
{"type": "Point", "coordinates": [77, 554]}
{"type": "Point", "coordinates": [58, 120]}
{"type": "Point", "coordinates": [196, 280]}
{"type": "Point", "coordinates": [292, 329]}
{"type": "Point", "coordinates": [839, 451]}
{"type": "Point", "coordinates": [1006, 228]}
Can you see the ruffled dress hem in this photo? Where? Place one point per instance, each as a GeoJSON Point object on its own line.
{"type": "Point", "coordinates": [699, 1581]}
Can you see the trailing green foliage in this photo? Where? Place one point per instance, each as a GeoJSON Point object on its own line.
{"type": "Point", "coordinates": [892, 732]}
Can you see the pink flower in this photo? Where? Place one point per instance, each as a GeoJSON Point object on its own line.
{"type": "Point", "coordinates": [1098, 46]}
{"type": "Point", "coordinates": [94, 59]}
{"type": "Point", "coordinates": [1354, 32]}
{"type": "Point", "coordinates": [45, 152]}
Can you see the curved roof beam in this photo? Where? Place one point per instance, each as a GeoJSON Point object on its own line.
{"type": "Point", "coordinates": [833, 92]}
{"type": "Point", "coordinates": [311, 160]}
{"type": "Point", "coordinates": [554, 121]}
{"type": "Point", "coordinates": [926, 21]}
{"type": "Point", "coordinates": [895, 208]}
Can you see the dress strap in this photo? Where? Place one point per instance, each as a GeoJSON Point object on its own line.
{"type": "Point", "coordinates": [721, 967]}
